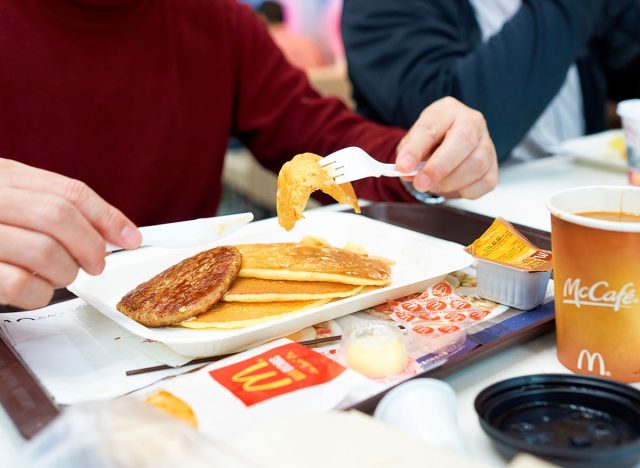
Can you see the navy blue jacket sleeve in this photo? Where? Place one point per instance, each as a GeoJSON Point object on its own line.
{"type": "Point", "coordinates": [618, 51]}
{"type": "Point", "coordinates": [405, 54]}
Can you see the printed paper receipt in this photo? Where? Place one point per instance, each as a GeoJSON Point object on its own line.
{"type": "Point", "coordinates": [502, 243]}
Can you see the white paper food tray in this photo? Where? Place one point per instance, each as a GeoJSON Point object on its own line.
{"type": "Point", "coordinates": [420, 261]}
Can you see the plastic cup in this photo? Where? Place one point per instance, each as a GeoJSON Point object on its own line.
{"type": "Point", "coordinates": [425, 408]}
{"type": "Point", "coordinates": [596, 267]}
{"type": "Point", "coordinates": [629, 112]}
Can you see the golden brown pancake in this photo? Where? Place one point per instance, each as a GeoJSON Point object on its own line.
{"type": "Point", "coordinates": [184, 290]}
{"type": "Point", "coordinates": [298, 179]}
{"type": "Point", "coordinates": [173, 406]}
{"type": "Point", "coordinates": [304, 262]}
{"type": "Point", "coordinates": [230, 315]}
{"type": "Point", "coordinates": [261, 290]}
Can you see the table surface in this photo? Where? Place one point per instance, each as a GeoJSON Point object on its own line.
{"type": "Point", "coordinates": [523, 189]}
{"type": "Point", "coordinates": [520, 197]}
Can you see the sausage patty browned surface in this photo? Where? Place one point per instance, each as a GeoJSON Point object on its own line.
{"type": "Point", "coordinates": [185, 290]}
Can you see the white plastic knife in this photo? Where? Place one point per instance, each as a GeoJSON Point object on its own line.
{"type": "Point", "coordinates": [190, 233]}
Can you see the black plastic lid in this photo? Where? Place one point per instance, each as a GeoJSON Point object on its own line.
{"type": "Point", "coordinates": [569, 420]}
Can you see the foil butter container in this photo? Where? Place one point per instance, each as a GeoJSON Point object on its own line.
{"type": "Point", "coordinates": [509, 286]}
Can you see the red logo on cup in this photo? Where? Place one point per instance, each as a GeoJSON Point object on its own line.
{"type": "Point", "coordinates": [448, 329]}
{"type": "Point", "coordinates": [435, 305]}
{"type": "Point", "coordinates": [459, 304]}
{"type": "Point", "coordinates": [422, 330]}
{"type": "Point", "coordinates": [441, 289]}
{"type": "Point", "coordinates": [455, 317]}
{"type": "Point", "coordinates": [478, 314]}
{"type": "Point", "coordinates": [412, 307]}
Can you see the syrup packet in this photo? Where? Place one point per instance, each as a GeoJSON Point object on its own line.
{"type": "Point", "coordinates": [511, 270]}
{"type": "Point", "coordinates": [504, 245]}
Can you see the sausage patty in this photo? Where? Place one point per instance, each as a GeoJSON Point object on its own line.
{"type": "Point", "coordinates": [185, 290]}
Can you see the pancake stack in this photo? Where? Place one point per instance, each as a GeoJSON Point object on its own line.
{"type": "Point", "coordinates": [279, 279]}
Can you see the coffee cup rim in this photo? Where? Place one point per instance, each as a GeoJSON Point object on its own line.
{"type": "Point", "coordinates": [591, 222]}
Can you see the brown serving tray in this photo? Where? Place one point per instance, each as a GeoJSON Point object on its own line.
{"type": "Point", "coordinates": [31, 408]}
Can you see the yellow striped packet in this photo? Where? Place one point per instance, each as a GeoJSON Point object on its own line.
{"type": "Point", "coordinates": [503, 244]}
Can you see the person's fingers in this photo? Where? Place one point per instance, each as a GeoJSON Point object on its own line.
{"type": "Point", "coordinates": [58, 219]}
{"type": "Point", "coordinates": [461, 141]}
{"type": "Point", "coordinates": [112, 225]}
{"type": "Point", "coordinates": [472, 169]}
{"type": "Point", "coordinates": [481, 186]}
{"type": "Point", "coordinates": [426, 133]}
{"type": "Point", "coordinates": [38, 253]}
{"type": "Point", "coordinates": [23, 289]}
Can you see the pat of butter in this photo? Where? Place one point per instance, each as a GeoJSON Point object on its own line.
{"type": "Point", "coordinates": [375, 350]}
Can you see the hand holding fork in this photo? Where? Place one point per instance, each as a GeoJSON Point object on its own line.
{"type": "Point", "coordinates": [448, 151]}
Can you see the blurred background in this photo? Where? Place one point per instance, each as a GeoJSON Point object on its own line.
{"type": "Point", "coordinates": [308, 33]}
{"type": "Point", "coordinates": [318, 20]}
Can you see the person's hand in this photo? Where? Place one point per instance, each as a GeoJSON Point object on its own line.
{"type": "Point", "coordinates": [50, 226]}
{"type": "Point", "coordinates": [460, 157]}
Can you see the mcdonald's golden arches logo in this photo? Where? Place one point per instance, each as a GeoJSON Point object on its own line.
{"type": "Point", "coordinates": [278, 371]}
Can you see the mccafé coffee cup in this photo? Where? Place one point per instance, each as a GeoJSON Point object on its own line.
{"type": "Point", "coordinates": [596, 265]}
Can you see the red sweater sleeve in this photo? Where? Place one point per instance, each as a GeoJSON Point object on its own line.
{"type": "Point", "coordinates": [278, 114]}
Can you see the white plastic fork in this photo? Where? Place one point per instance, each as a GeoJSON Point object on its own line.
{"type": "Point", "coordinates": [353, 163]}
